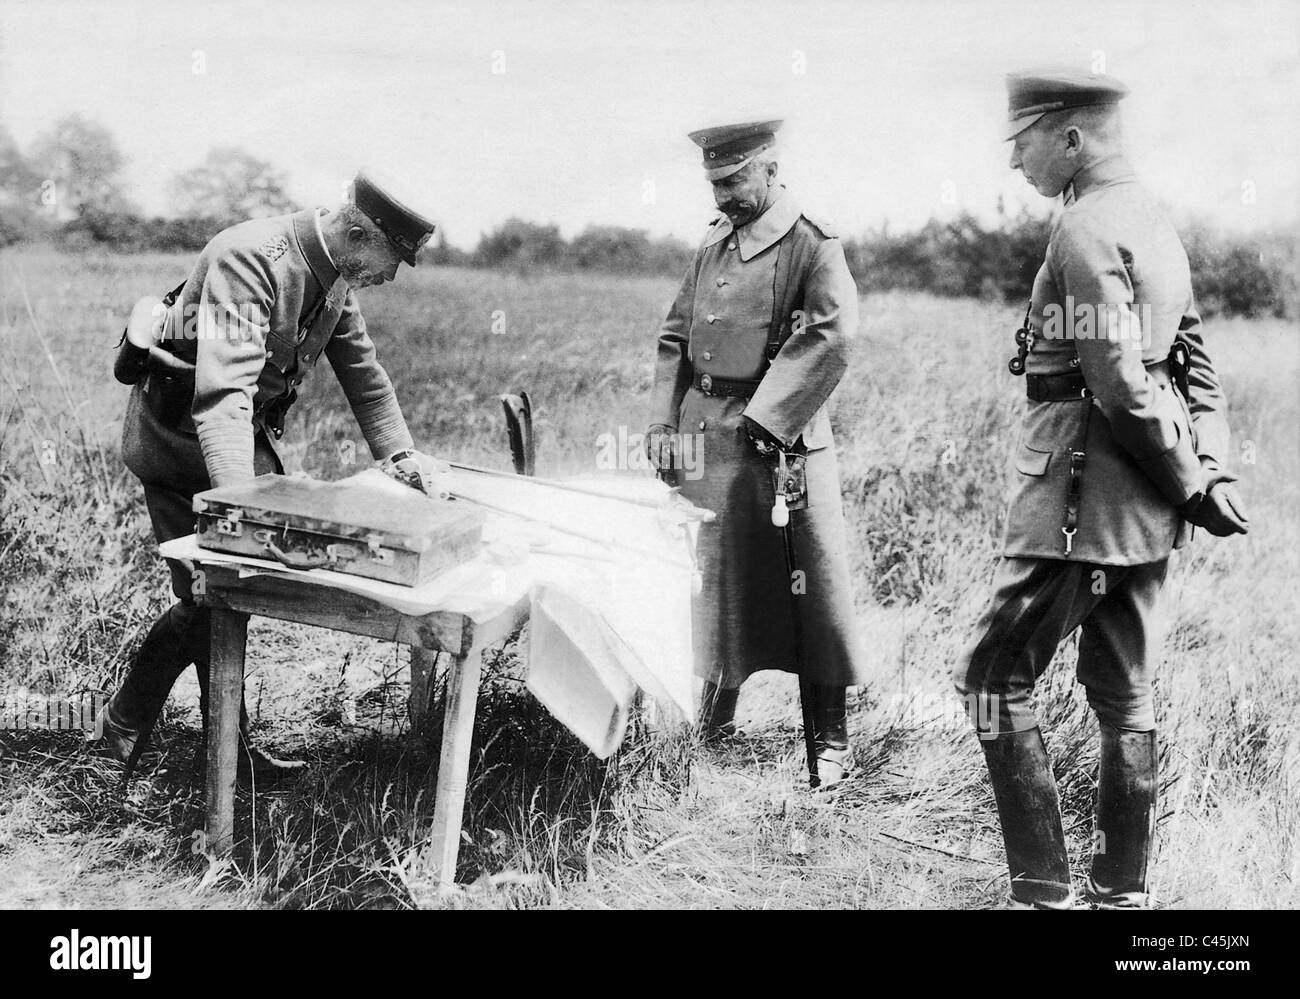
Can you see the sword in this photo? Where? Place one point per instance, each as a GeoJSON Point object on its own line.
{"type": "Point", "coordinates": [781, 519]}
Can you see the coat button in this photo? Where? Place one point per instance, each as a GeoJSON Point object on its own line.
{"type": "Point", "coordinates": [731, 246]}
{"type": "Point", "coordinates": [712, 318]}
{"type": "Point", "coordinates": [707, 356]}
{"type": "Point", "coordinates": [721, 282]}
{"type": "Point", "coordinates": [701, 424]}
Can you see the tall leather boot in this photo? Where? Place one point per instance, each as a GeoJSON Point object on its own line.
{"type": "Point", "coordinates": [1126, 819]}
{"type": "Point", "coordinates": [831, 734]}
{"type": "Point", "coordinates": [1030, 813]}
{"type": "Point", "coordinates": [717, 712]}
{"type": "Point", "coordinates": [128, 717]}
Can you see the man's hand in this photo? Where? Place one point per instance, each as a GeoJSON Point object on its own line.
{"type": "Point", "coordinates": [417, 470]}
{"type": "Point", "coordinates": [764, 443]}
{"type": "Point", "coordinates": [661, 446]}
{"type": "Point", "coordinates": [1221, 511]}
{"type": "Point", "coordinates": [661, 449]}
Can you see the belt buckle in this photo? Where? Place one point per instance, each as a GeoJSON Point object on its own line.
{"type": "Point", "coordinates": [706, 383]}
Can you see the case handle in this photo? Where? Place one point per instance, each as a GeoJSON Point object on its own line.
{"type": "Point", "coordinates": [333, 555]}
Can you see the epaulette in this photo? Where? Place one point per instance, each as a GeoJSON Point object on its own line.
{"type": "Point", "coordinates": [825, 228]}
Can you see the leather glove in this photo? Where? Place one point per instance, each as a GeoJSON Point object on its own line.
{"type": "Point", "coordinates": [417, 470]}
{"type": "Point", "coordinates": [1220, 511]}
{"type": "Point", "coordinates": [661, 449]}
{"type": "Point", "coordinates": [764, 443]}
{"type": "Point", "coordinates": [767, 444]}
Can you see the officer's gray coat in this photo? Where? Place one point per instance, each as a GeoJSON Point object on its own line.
{"type": "Point", "coordinates": [1147, 450]}
{"type": "Point", "coordinates": [790, 266]}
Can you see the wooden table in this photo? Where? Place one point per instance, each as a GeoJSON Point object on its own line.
{"type": "Point", "coordinates": [298, 598]}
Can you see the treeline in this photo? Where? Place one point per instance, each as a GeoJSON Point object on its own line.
{"type": "Point", "coordinates": [1248, 275]}
{"type": "Point", "coordinates": [67, 191]}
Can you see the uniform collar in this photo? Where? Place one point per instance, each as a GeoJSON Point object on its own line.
{"type": "Point", "coordinates": [1103, 173]}
{"type": "Point", "coordinates": [764, 231]}
{"type": "Point", "coordinates": [311, 241]}
{"type": "Point", "coordinates": [320, 234]}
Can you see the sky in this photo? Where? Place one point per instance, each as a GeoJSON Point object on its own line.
{"type": "Point", "coordinates": [577, 112]}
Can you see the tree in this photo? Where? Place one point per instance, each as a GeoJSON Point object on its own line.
{"type": "Point", "coordinates": [82, 160]}
{"type": "Point", "coordinates": [230, 185]}
{"type": "Point", "coordinates": [524, 245]}
{"type": "Point", "coordinates": [19, 194]}
{"type": "Point", "coordinates": [17, 178]}
{"type": "Point", "coordinates": [611, 248]}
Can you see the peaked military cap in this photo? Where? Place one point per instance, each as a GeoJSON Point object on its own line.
{"type": "Point", "coordinates": [729, 148]}
{"type": "Point", "coordinates": [1030, 95]}
{"type": "Point", "coordinates": [406, 228]}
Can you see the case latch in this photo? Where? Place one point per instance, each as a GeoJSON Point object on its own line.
{"type": "Point", "coordinates": [374, 544]}
{"type": "Point", "coordinates": [229, 524]}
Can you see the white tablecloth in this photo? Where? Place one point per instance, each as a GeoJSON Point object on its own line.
{"type": "Point", "coordinates": [608, 578]}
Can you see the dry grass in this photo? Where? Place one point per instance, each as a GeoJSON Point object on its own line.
{"type": "Point", "coordinates": [924, 421]}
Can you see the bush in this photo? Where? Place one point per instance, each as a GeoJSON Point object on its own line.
{"type": "Point", "coordinates": [523, 245]}
{"type": "Point", "coordinates": [1241, 275]}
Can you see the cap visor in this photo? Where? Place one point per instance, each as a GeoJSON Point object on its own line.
{"type": "Point", "coordinates": [1018, 125]}
{"type": "Point", "coordinates": [717, 173]}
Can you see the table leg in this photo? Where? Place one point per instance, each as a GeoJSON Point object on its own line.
{"type": "Point", "coordinates": [453, 766]}
{"type": "Point", "coordinates": [423, 665]}
{"type": "Point", "coordinates": [226, 685]}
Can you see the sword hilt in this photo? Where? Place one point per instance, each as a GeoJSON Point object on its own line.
{"type": "Point", "coordinates": [780, 511]}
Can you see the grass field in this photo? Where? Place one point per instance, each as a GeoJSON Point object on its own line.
{"type": "Point", "coordinates": [924, 421]}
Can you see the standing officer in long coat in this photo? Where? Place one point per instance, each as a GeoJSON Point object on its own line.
{"type": "Point", "coordinates": [757, 338]}
{"type": "Point", "coordinates": [263, 302]}
{"type": "Point", "coordinates": [1121, 447]}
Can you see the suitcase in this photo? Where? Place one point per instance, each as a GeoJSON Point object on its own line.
{"type": "Point", "coordinates": [345, 526]}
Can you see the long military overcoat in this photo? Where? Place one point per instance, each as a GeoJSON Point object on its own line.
{"type": "Point", "coordinates": [787, 268]}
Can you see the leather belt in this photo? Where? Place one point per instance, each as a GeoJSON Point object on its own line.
{"type": "Point", "coordinates": [1070, 386]}
{"type": "Point", "coordinates": [712, 385]}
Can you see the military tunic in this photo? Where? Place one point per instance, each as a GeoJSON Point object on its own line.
{"type": "Point", "coordinates": [1146, 450]}
{"type": "Point", "coordinates": [262, 304]}
{"type": "Point", "coordinates": [784, 267]}
{"type": "Point", "coordinates": [1113, 294]}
